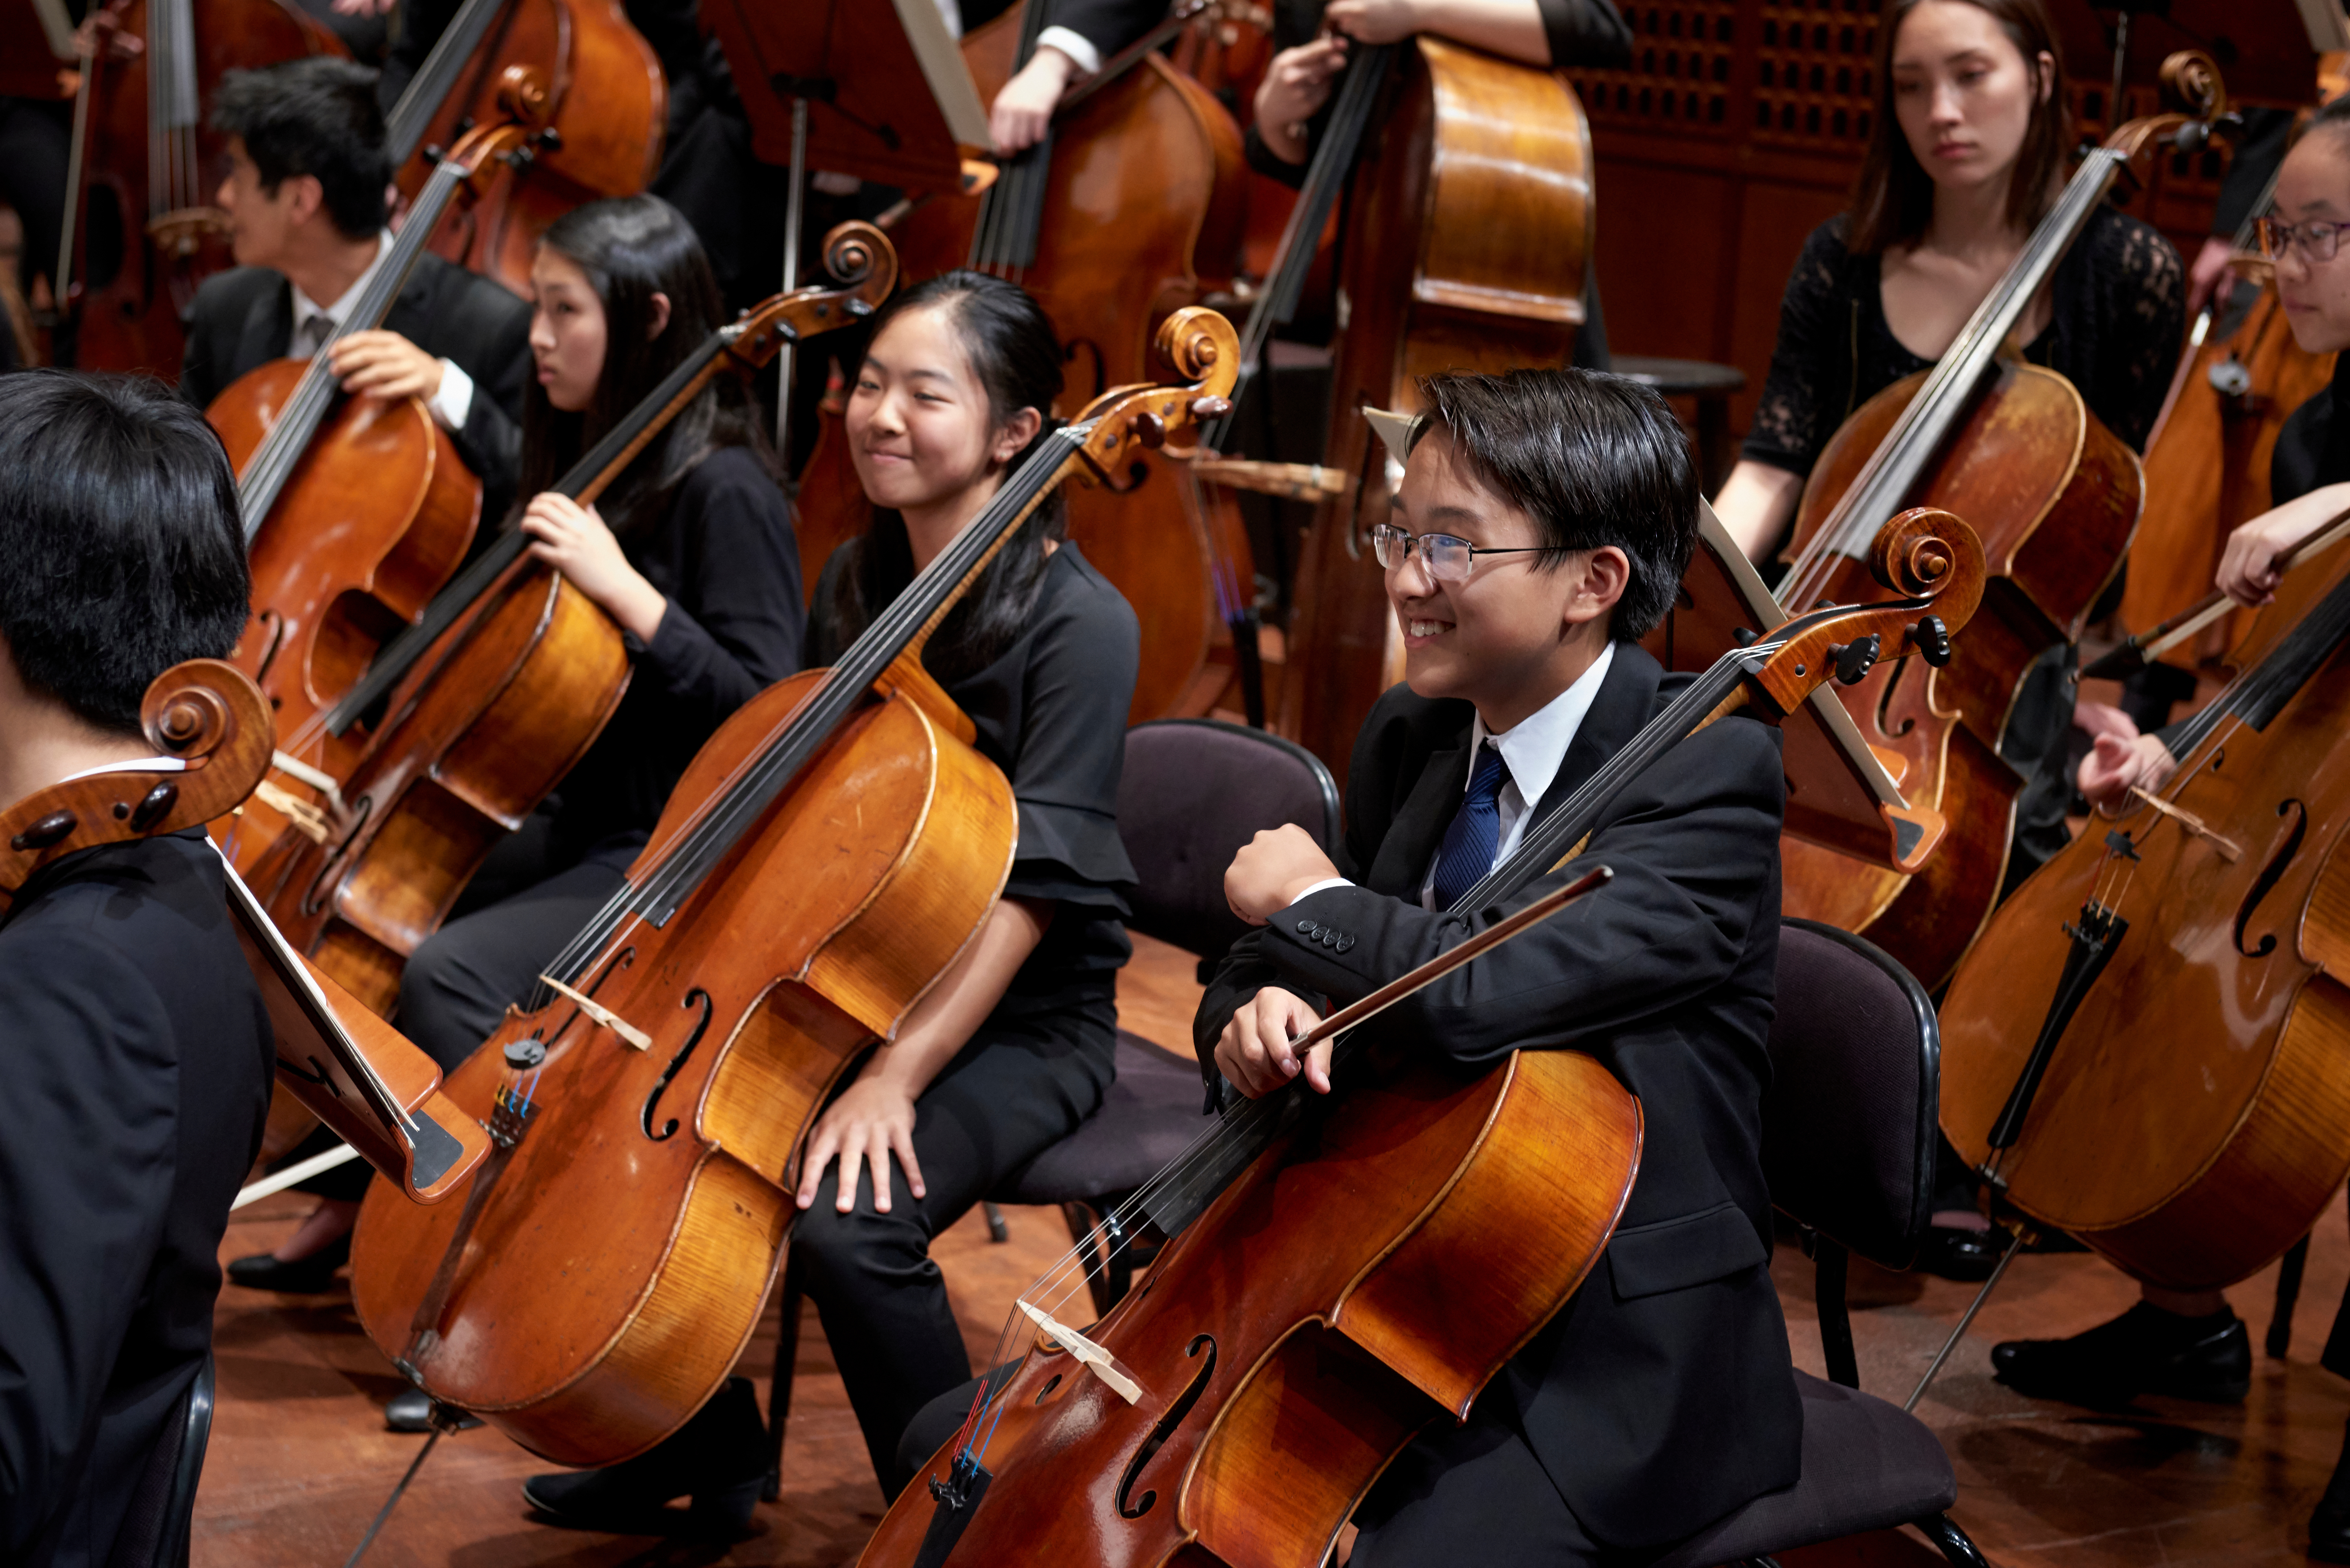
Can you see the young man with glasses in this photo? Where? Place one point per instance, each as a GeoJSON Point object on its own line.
{"type": "Point", "coordinates": [1542, 526]}
{"type": "Point", "coordinates": [2191, 1345]}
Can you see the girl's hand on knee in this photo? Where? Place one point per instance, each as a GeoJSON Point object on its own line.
{"type": "Point", "coordinates": [871, 1120]}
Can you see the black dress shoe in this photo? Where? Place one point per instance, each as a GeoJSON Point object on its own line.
{"type": "Point", "coordinates": [1968, 1256]}
{"type": "Point", "coordinates": [410, 1410]}
{"type": "Point", "coordinates": [2329, 1530]}
{"type": "Point", "coordinates": [718, 1459]}
{"type": "Point", "coordinates": [303, 1277]}
{"type": "Point", "coordinates": [2143, 1351]}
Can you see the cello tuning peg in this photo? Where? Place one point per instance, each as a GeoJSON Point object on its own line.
{"type": "Point", "coordinates": [1151, 430]}
{"type": "Point", "coordinates": [1855, 658]}
{"type": "Point", "coordinates": [1210, 408]}
{"type": "Point", "coordinates": [51, 829]}
{"type": "Point", "coordinates": [1932, 640]}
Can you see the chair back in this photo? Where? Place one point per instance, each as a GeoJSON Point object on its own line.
{"type": "Point", "coordinates": [1850, 1122]}
{"type": "Point", "coordinates": [156, 1524]}
{"type": "Point", "coordinates": [1193, 791]}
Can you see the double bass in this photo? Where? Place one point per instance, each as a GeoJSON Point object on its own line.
{"type": "Point", "coordinates": [823, 859]}
{"type": "Point", "coordinates": [140, 233]}
{"type": "Point", "coordinates": [1334, 1282]}
{"type": "Point", "coordinates": [503, 682]}
{"type": "Point", "coordinates": [606, 113]}
{"type": "Point", "coordinates": [1139, 182]}
{"type": "Point", "coordinates": [2055, 495]}
{"type": "Point", "coordinates": [1480, 172]}
{"type": "Point", "coordinates": [211, 731]}
{"type": "Point", "coordinates": [2144, 1048]}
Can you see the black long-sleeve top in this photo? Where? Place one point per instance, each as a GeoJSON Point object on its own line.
{"type": "Point", "coordinates": [1050, 711]}
{"type": "Point", "coordinates": [1580, 33]}
{"type": "Point", "coordinates": [140, 1059]}
{"type": "Point", "coordinates": [2120, 309]}
{"type": "Point", "coordinates": [726, 557]}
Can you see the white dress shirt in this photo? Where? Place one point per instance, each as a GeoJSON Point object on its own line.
{"type": "Point", "coordinates": [1532, 751]}
{"type": "Point", "coordinates": [1075, 44]}
{"type": "Point", "coordinates": [451, 404]}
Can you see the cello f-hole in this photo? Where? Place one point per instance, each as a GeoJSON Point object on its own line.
{"type": "Point", "coordinates": [652, 1101]}
{"type": "Point", "coordinates": [1166, 1429]}
{"type": "Point", "coordinates": [2269, 875]}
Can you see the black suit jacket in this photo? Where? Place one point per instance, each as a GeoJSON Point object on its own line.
{"type": "Point", "coordinates": [1661, 1397]}
{"type": "Point", "coordinates": [138, 1060]}
{"type": "Point", "coordinates": [244, 318]}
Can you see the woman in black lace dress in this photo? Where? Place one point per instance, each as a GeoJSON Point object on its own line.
{"type": "Point", "coordinates": [1969, 149]}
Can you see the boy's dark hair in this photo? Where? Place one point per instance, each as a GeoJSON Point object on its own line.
{"type": "Point", "coordinates": [1594, 459]}
{"type": "Point", "coordinates": [121, 553]}
{"type": "Point", "coordinates": [319, 116]}
{"type": "Point", "coordinates": [632, 248]}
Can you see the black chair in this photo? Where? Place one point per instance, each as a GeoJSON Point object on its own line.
{"type": "Point", "coordinates": [1192, 793]}
{"type": "Point", "coordinates": [1848, 1131]}
{"type": "Point", "coordinates": [155, 1530]}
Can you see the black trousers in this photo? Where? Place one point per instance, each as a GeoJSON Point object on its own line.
{"type": "Point", "coordinates": [1003, 1099]}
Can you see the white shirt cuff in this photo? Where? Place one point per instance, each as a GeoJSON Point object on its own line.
{"type": "Point", "coordinates": [1076, 46]}
{"type": "Point", "coordinates": [1318, 886]}
{"type": "Point", "coordinates": [454, 400]}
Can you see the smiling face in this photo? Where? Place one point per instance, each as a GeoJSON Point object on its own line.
{"type": "Point", "coordinates": [2313, 186]}
{"type": "Point", "coordinates": [262, 223]}
{"type": "Point", "coordinates": [921, 429]}
{"type": "Point", "coordinates": [1512, 634]}
{"type": "Point", "coordinates": [1963, 92]}
{"type": "Point", "coordinates": [566, 331]}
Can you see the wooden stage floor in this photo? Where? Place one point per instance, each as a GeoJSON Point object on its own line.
{"type": "Point", "coordinates": [299, 1461]}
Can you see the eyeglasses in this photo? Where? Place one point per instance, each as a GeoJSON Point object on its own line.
{"type": "Point", "coordinates": [1446, 556]}
{"type": "Point", "coordinates": [2316, 241]}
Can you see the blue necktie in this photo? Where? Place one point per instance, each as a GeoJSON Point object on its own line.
{"type": "Point", "coordinates": [1467, 853]}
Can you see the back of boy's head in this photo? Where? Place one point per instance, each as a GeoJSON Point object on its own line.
{"type": "Point", "coordinates": [317, 116]}
{"type": "Point", "coordinates": [121, 553]}
{"type": "Point", "coordinates": [1594, 459]}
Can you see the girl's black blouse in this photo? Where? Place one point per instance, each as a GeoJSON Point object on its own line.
{"type": "Point", "coordinates": [1051, 712]}
{"type": "Point", "coordinates": [2120, 312]}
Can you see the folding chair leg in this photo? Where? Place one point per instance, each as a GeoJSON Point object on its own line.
{"type": "Point", "coordinates": [779, 1382]}
{"type": "Point", "coordinates": [1944, 1532]}
{"type": "Point", "coordinates": [2288, 1293]}
{"type": "Point", "coordinates": [997, 1231]}
{"type": "Point", "coordinates": [1835, 1316]}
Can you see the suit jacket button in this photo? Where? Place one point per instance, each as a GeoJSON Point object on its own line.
{"type": "Point", "coordinates": [1346, 942]}
{"type": "Point", "coordinates": [1329, 938]}
{"type": "Point", "coordinates": [1306, 927]}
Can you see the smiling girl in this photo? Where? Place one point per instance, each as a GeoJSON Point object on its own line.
{"type": "Point", "coordinates": [1015, 1045]}
{"type": "Point", "coordinates": [690, 552]}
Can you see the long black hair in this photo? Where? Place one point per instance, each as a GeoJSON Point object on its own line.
{"type": "Point", "coordinates": [632, 248]}
{"type": "Point", "coordinates": [1016, 359]}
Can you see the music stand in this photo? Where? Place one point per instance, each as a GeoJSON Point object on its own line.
{"type": "Point", "coordinates": [842, 82]}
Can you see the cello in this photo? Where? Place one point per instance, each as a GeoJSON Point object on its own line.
{"type": "Point", "coordinates": [1334, 1281]}
{"type": "Point", "coordinates": [2056, 495]}
{"type": "Point", "coordinates": [606, 114]}
{"type": "Point", "coordinates": [503, 682]}
{"type": "Point", "coordinates": [144, 167]}
{"type": "Point", "coordinates": [1485, 165]}
{"type": "Point", "coordinates": [2232, 395]}
{"type": "Point", "coordinates": [356, 510]}
{"type": "Point", "coordinates": [825, 856]}
{"type": "Point", "coordinates": [1140, 181]}
{"type": "Point", "coordinates": [2144, 1047]}
{"type": "Point", "coordinates": [210, 727]}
